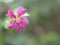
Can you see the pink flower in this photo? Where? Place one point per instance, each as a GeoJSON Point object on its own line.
{"type": "Point", "coordinates": [19, 21]}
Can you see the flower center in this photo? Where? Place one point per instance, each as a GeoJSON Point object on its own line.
{"type": "Point", "coordinates": [17, 18]}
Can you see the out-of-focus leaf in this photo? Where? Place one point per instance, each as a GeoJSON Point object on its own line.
{"type": "Point", "coordinates": [8, 1]}
{"type": "Point", "coordinates": [3, 9]}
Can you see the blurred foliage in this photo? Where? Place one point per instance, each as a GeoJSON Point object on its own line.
{"type": "Point", "coordinates": [44, 27]}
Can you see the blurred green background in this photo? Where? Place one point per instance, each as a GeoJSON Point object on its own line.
{"type": "Point", "coordinates": [44, 27]}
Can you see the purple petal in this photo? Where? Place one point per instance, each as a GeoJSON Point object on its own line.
{"type": "Point", "coordinates": [21, 11]}
{"type": "Point", "coordinates": [12, 25]}
{"type": "Point", "coordinates": [24, 20]}
{"type": "Point", "coordinates": [11, 14]}
{"type": "Point", "coordinates": [18, 29]}
{"type": "Point", "coordinates": [22, 26]}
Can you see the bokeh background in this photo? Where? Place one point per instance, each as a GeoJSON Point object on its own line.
{"type": "Point", "coordinates": [44, 27]}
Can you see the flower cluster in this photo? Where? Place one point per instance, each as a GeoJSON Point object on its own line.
{"type": "Point", "coordinates": [19, 20]}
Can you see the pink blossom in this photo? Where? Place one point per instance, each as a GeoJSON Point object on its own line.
{"type": "Point", "coordinates": [18, 21]}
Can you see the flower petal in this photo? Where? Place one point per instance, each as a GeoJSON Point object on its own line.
{"type": "Point", "coordinates": [21, 11]}
{"type": "Point", "coordinates": [24, 20]}
{"type": "Point", "coordinates": [18, 29]}
{"type": "Point", "coordinates": [11, 14]}
{"type": "Point", "coordinates": [12, 25]}
{"type": "Point", "coordinates": [22, 26]}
